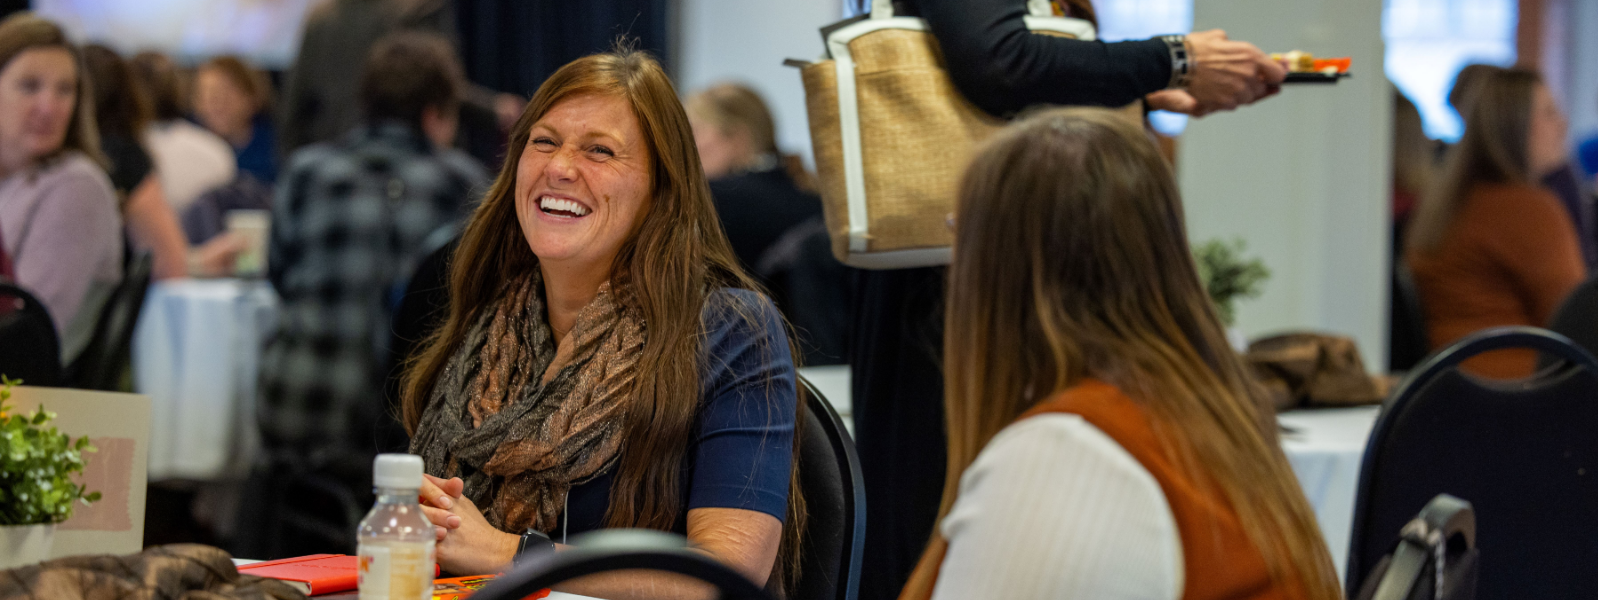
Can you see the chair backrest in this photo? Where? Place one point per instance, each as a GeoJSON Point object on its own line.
{"type": "Point", "coordinates": [1407, 343]}
{"type": "Point", "coordinates": [1523, 452]}
{"type": "Point", "coordinates": [100, 366]}
{"type": "Point", "coordinates": [1577, 316]}
{"type": "Point", "coordinates": [614, 550]}
{"type": "Point", "coordinates": [30, 349]}
{"type": "Point", "coordinates": [835, 496]}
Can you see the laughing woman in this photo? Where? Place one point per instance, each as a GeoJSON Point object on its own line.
{"type": "Point", "coordinates": [605, 362]}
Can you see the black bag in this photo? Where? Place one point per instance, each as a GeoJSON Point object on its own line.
{"type": "Point", "coordinates": [1436, 557]}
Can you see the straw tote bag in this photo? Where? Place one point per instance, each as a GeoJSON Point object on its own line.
{"type": "Point", "coordinates": [892, 135]}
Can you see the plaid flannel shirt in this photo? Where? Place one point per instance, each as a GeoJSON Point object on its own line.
{"type": "Point", "coordinates": [350, 222]}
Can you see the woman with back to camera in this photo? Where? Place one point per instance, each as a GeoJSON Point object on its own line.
{"type": "Point", "coordinates": [605, 362]}
{"type": "Point", "coordinates": [1001, 68]}
{"type": "Point", "coordinates": [1488, 246]}
{"type": "Point", "coordinates": [1104, 440]}
{"type": "Point", "coordinates": [230, 99]}
{"type": "Point", "coordinates": [58, 213]}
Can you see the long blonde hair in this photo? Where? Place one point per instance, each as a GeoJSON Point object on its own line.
{"type": "Point", "coordinates": [1497, 110]}
{"type": "Point", "coordinates": [678, 256]}
{"type": "Point", "coordinates": [1070, 262]}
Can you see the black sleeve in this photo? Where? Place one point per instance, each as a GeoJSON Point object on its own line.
{"type": "Point", "coordinates": [1002, 67]}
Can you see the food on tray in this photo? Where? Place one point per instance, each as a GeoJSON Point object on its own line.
{"type": "Point", "coordinates": [1299, 61]}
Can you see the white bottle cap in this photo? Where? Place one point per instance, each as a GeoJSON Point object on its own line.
{"type": "Point", "coordinates": [397, 471]}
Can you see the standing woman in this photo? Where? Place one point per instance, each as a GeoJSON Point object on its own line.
{"type": "Point", "coordinates": [231, 99]}
{"type": "Point", "coordinates": [58, 214]}
{"type": "Point", "coordinates": [1489, 247]}
{"type": "Point", "coordinates": [1104, 440]}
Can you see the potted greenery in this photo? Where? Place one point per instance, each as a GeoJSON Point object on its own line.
{"type": "Point", "coordinates": [1228, 276]}
{"type": "Point", "coordinates": [36, 487]}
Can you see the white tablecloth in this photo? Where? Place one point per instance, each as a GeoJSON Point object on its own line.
{"type": "Point", "coordinates": [196, 352]}
{"type": "Point", "coordinates": [1326, 447]}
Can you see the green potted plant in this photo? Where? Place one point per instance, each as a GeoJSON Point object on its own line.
{"type": "Point", "coordinates": [37, 491]}
{"type": "Point", "coordinates": [1229, 276]}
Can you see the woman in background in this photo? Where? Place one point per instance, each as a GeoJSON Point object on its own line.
{"type": "Point", "coordinates": [58, 213]}
{"type": "Point", "coordinates": [122, 112]}
{"type": "Point", "coordinates": [772, 217]}
{"type": "Point", "coordinates": [1488, 246]}
{"type": "Point", "coordinates": [189, 159]}
{"type": "Point", "coordinates": [1104, 440]}
{"type": "Point", "coordinates": [230, 99]}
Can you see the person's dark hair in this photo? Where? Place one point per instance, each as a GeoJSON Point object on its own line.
{"type": "Point", "coordinates": [1497, 112]}
{"type": "Point", "coordinates": [678, 256]}
{"type": "Point", "coordinates": [252, 82]}
{"type": "Point", "coordinates": [121, 107]}
{"type": "Point", "coordinates": [162, 84]}
{"type": "Point", "coordinates": [25, 31]}
{"type": "Point", "coordinates": [408, 72]}
{"type": "Point", "coordinates": [1059, 278]}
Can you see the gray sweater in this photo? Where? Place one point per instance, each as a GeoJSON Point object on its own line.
{"type": "Point", "coordinates": [64, 234]}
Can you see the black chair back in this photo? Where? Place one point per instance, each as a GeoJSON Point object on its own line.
{"type": "Point", "coordinates": [835, 496]}
{"type": "Point", "coordinates": [1407, 343]}
{"type": "Point", "coordinates": [101, 364]}
{"type": "Point", "coordinates": [29, 348]}
{"type": "Point", "coordinates": [1577, 316]}
{"type": "Point", "coordinates": [614, 550]}
{"type": "Point", "coordinates": [1523, 452]}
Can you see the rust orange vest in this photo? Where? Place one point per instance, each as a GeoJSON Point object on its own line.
{"type": "Point", "coordinates": [1218, 558]}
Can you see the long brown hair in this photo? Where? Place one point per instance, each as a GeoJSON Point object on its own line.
{"type": "Point", "coordinates": [25, 31]}
{"type": "Point", "coordinates": [253, 83]}
{"type": "Point", "coordinates": [1497, 112]}
{"type": "Point", "coordinates": [121, 105]}
{"type": "Point", "coordinates": [678, 256]}
{"type": "Point", "coordinates": [1070, 262]}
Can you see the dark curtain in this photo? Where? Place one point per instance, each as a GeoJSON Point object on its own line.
{"type": "Point", "coordinates": [513, 45]}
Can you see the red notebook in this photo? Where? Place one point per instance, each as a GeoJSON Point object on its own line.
{"type": "Point", "coordinates": [314, 574]}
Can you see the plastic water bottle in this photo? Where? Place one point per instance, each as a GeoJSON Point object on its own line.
{"type": "Point", "coordinates": [396, 539]}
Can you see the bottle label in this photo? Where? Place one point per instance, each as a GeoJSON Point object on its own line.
{"type": "Point", "coordinates": [396, 571]}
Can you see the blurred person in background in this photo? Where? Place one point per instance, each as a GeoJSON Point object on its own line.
{"type": "Point", "coordinates": [231, 99]}
{"type": "Point", "coordinates": [1104, 440]}
{"type": "Point", "coordinates": [319, 96]}
{"type": "Point", "coordinates": [1414, 165]}
{"type": "Point", "coordinates": [58, 212]}
{"type": "Point", "coordinates": [123, 115]}
{"type": "Point", "coordinates": [1002, 69]}
{"type": "Point", "coordinates": [1488, 246]}
{"type": "Point", "coordinates": [1559, 178]}
{"type": "Point", "coordinates": [772, 216]}
{"type": "Point", "coordinates": [189, 159]}
{"type": "Point", "coordinates": [351, 221]}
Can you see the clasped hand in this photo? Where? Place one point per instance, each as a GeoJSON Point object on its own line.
{"type": "Point", "coordinates": [467, 543]}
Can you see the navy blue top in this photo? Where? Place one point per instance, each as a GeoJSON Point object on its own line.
{"type": "Point", "coordinates": [259, 157]}
{"type": "Point", "coordinates": [740, 453]}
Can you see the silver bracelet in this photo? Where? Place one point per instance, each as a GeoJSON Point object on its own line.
{"type": "Point", "coordinates": [1181, 66]}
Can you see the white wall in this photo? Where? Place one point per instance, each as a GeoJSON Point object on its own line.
{"type": "Point", "coordinates": [746, 41]}
{"type": "Point", "coordinates": [1302, 177]}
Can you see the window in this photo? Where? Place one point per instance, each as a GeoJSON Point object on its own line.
{"type": "Point", "coordinates": [1140, 20]}
{"type": "Point", "coordinates": [1428, 41]}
